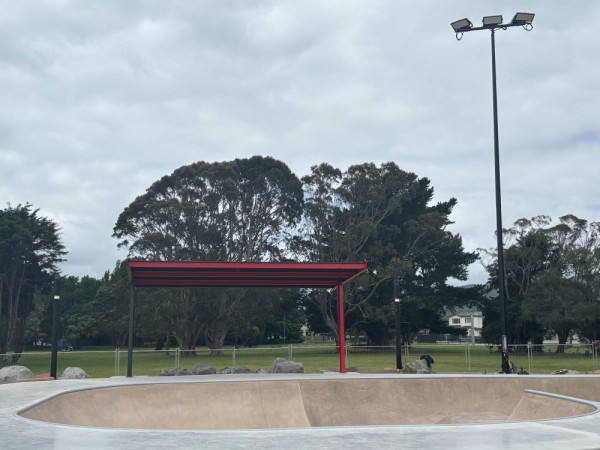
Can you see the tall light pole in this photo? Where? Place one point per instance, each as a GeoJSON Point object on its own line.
{"type": "Point", "coordinates": [493, 23]}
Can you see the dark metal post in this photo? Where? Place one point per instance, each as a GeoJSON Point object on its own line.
{"type": "Point", "coordinates": [398, 331]}
{"type": "Point", "coordinates": [501, 282]}
{"type": "Point", "coordinates": [130, 333]}
{"type": "Point", "coordinates": [55, 306]}
{"type": "Point", "coordinates": [341, 327]}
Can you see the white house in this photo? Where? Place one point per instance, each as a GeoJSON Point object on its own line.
{"type": "Point", "coordinates": [467, 318]}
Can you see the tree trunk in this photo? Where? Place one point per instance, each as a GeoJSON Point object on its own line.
{"type": "Point", "coordinates": [19, 339]}
{"type": "Point", "coordinates": [563, 335]}
{"type": "Point", "coordinates": [187, 342]}
{"type": "Point", "coordinates": [379, 337]}
{"type": "Point", "coordinates": [215, 335]}
{"type": "Point", "coordinates": [325, 303]}
{"type": "Point", "coordinates": [120, 339]}
{"type": "Point", "coordinates": [160, 343]}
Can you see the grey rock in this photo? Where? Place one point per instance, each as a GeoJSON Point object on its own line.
{"type": "Point", "coordinates": [237, 369]}
{"type": "Point", "coordinates": [14, 373]}
{"type": "Point", "coordinates": [199, 369]}
{"type": "Point", "coordinates": [260, 371]}
{"type": "Point", "coordinates": [176, 372]}
{"type": "Point", "coordinates": [281, 365]}
{"type": "Point", "coordinates": [73, 373]}
{"type": "Point", "coordinates": [418, 367]}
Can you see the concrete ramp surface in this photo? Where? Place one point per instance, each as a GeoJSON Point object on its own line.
{"type": "Point", "coordinates": [256, 404]}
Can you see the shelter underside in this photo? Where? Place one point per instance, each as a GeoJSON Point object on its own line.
{"type": "Point", "coordinates": [169, 274]}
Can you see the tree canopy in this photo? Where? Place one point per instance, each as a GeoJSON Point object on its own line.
{"type": "Point", "coordinates": [227, 211]}
{"type": "Point", "coordinates": [553, 280]}
{"type": "Point", "coordinates": [382, 214]}
{"type": "Point", "coordinates": [30, 248]}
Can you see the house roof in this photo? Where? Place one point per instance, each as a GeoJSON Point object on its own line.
{"type": "Point", "coordinates": [463, 312]}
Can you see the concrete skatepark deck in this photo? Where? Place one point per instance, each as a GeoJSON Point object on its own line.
{"type": "Point", "coordinates": [304, 411]}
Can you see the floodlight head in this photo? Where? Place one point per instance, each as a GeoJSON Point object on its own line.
{"type": "Point", "coordinates": [523, 18]}
{"type": "Point", "coordinates": [462, 25]}
{"type": "Point", "coordinates": [492, 21]}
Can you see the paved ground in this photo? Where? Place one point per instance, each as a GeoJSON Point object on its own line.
{"type": "Point", "coordinates": [303, 411]}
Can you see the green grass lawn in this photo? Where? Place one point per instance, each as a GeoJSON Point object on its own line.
{"type": "Point", "coordinates": [100, 363]}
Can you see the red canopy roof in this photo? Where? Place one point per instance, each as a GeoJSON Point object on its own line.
{"type": "Point", "coordinates": [242, 274]}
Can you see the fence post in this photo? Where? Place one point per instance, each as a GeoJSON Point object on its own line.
{"type": "Point", "coordinates": [346, 352]}
{"type": "Point", "coordinates": [116, 361]}
{"type": "Point", "coordinates": [469, 354]}
{"type": "Point", "coordinates": [529, 355]}
{"type": "Point", "coordinates": [177, 357]}
{"type": "Point", "coordinates": [233, 357]}
{"type": "Point", "coordinates": [289, 352]}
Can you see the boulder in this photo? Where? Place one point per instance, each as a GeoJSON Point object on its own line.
{"type": "Point", "coordinates": [73, 373]}
{"type": "Point", "coordinates": [281, 365]}
{"type": "Point", "coordinates": [237, 369]}
{"type": "Point", "coordinates": [565, 372]}
{"type": "Point", "coordinates": [418, 367]}
{"type": "Point", "coordinates": [199, 369]}
{"type": "Point", "coordinates": [176, 372]}
{"type": "Point", "coordinates": [14, 373]}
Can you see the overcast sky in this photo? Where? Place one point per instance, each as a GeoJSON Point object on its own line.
{"type": "Point", "coordinates": [98, 99]}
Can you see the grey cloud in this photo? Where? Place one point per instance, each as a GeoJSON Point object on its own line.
{"type": "Point", "coordinates": [100, 99]}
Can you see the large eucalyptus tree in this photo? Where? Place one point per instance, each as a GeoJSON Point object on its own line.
{"type": "Point", "coordinates": [238, 210]}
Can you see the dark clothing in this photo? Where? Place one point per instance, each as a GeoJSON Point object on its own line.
{"type": "Point", "coordinates": [428, 359]}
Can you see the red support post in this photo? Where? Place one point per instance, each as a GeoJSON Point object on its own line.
{"type": "Point", "coordinates": [341, 331]}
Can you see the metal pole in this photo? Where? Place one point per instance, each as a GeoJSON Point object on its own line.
{"type": "Point", "coordinates": [131, 315]}
{"type": "Point", "coordinates": [501, 282]}
{"type": "Point", "coordinates": [398, 330]}
{"type": "Point", "coordinates": [55, 306]}
{"type": "Point", "coordinates": [341, 331]}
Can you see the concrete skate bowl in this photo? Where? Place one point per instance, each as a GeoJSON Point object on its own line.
{"type": "Point", "coordinates": [300, 403]}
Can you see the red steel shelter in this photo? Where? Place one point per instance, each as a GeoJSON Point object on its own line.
{"type": "Point", "coordinates": [243, 275]}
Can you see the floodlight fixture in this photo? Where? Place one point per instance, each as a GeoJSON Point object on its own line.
{"type": "Point", "coordinates": [462, 25]}
{"type": "Point", "coordinates": [492, 21]}
{"type": "Point", "coordinates": [523, 18]}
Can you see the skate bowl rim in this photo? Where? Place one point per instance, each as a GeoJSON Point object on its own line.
{"type": "Point", "coordinates": [314, 402]}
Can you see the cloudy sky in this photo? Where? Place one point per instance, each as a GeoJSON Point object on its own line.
{"type": "Point", "coordinates": [98, 99]}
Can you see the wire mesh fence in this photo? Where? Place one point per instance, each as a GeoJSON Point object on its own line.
{"type": "Point", "coordinates": [448, 358]}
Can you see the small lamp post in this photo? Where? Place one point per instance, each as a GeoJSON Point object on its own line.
{"type": "Point", "coordinates": [398, 331]}
{"type": "Point", "coordinates": [55, 306]}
